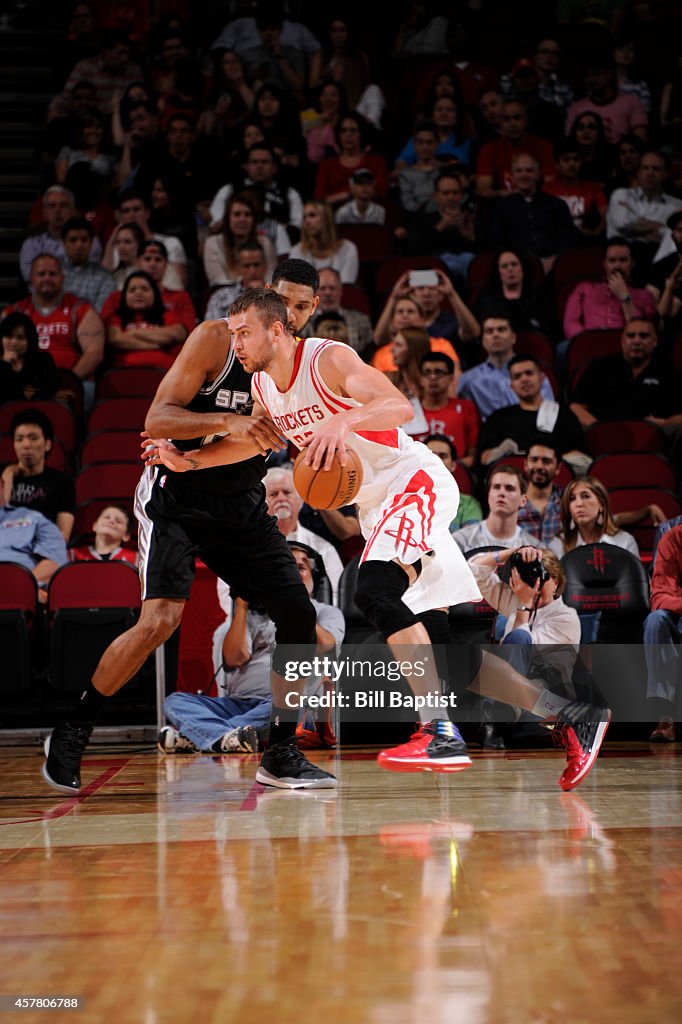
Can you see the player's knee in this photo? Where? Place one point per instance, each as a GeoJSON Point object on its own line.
{"type": "Point", "coordinates": [379, 596]}
{"type": "Point", "coordinates": [161, 620]}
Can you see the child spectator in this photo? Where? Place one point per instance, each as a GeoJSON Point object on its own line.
{"type": "Point", "coordinates": [111, 531]}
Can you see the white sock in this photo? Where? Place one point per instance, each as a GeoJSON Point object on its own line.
{"type": "Point", "coordinates": [548, 704]}
{"type": "Point", "coordinates": [427, 715]}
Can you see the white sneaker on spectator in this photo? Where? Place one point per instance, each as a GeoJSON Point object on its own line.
{"type": "Point", "coordinates": [170, 741]}
{"type": "Point", "coordinates": [243, 740]}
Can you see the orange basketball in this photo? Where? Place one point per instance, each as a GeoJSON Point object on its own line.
{"type": "Point", "coordinates": [329, 488]}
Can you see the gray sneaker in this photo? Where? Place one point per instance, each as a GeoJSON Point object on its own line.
{"type": "Point", "coordinates": [170, 741]}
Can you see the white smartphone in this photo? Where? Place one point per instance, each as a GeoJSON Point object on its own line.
{"type": "Point", "coordinates": [423, 279]}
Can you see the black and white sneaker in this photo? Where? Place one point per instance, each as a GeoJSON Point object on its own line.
{"type": "Point", "coordinates": [285, 767]}
{"type": "Point", "coordinates": [170, 741]}
{"type": "Point", "coordinates": [64, 748]}
{"type": "Point", "coordinates": [242, 740]}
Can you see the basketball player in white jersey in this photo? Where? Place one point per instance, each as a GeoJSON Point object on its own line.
{"type": "Point", "coordinates": [321, 396]}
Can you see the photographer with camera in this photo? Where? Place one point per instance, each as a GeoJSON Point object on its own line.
{"type": "Point", "coordinates": [525, 584]}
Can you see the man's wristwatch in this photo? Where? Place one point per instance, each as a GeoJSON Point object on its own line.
{"type": "Point", "coordinates": [523, 608]}
{"type": "Point", "coordinates": [626, 298]}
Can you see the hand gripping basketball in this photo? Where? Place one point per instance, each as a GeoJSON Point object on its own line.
{"type": "Point", "coordinates": [329, 488]}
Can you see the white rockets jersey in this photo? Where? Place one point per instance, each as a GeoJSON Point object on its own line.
{"type": "Point", "coordinates": [308, 403]}
{"type": "Point", "coordinates": [407, 499]}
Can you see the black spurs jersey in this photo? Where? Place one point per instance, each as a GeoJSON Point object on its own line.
{"type": "Point", "coordinates": [230, 391]}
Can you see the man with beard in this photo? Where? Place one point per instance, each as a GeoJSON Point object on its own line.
{"type": "Point", "coordinates": [541, 515]}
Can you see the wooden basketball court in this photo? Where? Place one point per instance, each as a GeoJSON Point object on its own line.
{"type": "Point", "coordinates": [178, 889]}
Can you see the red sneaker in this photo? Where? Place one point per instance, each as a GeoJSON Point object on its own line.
{"type": "Point", "coordinates": [434, 747]}
{"type": "Point", "coordinates": [665, 732]}
{"type": "Point", "coordinates": [582, 740]}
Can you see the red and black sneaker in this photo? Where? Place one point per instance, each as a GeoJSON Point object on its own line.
{"type": "Point", "coordinates": [435, 747]}
{"type": "Point", "coordinates": [580, 729]}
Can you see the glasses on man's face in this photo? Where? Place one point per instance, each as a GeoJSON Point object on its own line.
{"type": "Point", "coordinates": [644, 335]}
{"type": "Point", "coordinates": [435, 373]}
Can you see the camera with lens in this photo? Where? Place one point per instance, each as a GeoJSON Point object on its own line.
{"type": "Point", "coordinates": [530, 572]}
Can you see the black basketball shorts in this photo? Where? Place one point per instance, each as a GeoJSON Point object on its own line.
{"type": "Point", "coordinates": [234, 535]}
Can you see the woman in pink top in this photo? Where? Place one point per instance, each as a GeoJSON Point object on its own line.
{"type": "Point", "coordinates": [321, 137]}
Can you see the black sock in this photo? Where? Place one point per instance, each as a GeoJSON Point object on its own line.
{"type": "Point", "coordinates": [90, 705]}
{"type": "Point", "coordinates": [281, 725]}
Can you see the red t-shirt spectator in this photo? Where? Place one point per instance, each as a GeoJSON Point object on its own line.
{"type": "Point", "coordinates": [57, 330]}
{"type": "Point", "coordinates": [459, 420]}
{"type": "Point", "coordinates": [89, 554]}
{"type": "Point", "coordinates": [585, 199]}
{"type": "Point", "coordinates": [163, 358]}
{"type": "Point", "coordinates": [175, 300]}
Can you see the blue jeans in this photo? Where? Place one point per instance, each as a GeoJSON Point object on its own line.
{"type": "Point", "coordinates": [205, 720]}
{"type": "Point", "coordinates": [519, 650]}
{"type": "Point", "coordinates": [662, 633]}
{"type": "Point", "coordinates": [589, 627]}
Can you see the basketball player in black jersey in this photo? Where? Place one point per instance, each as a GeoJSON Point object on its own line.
{"type": "Point", "coordinates": [219, 515]}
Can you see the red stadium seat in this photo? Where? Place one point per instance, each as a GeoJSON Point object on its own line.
{"type": "Point", "coordinates": [578, 264]}
{"type": "Point", "coordinates": [114, 480]}
{"type": "Point", "coordinates": [354, 296]}
{"type": "Point", "coordinates": [587, 346]}
{"type": "Point", "coordinates": [375, 242]}
{"type": "Point", "coordinates": [634, 469]}
{"type": "Point", "coordinates": [624, 435]}
{"type": "Point", "coordinates": [536, 344]}
{"type": "Point", "coordinates": [118, 414]}
{"type": "Point", "coordinates": [128, 382]}
{"type": "Point", "coordinates": [89, 604]}
{"type": "Point", "coordinates": [18, 610]}
{"type": "Point", "coordinates": [111, 446]}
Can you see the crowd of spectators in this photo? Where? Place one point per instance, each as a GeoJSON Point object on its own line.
{"type": "Point", "coordinates": [495, 148]}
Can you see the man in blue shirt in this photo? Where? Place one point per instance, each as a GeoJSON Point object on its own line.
{"type": "Point", "coordinates": [28, 538]}
{"type": "Point", "coordinates": [489, 383]}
